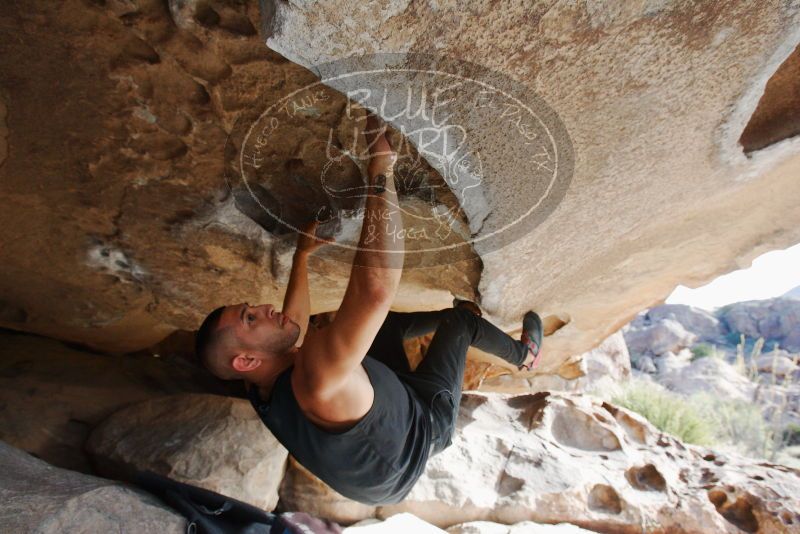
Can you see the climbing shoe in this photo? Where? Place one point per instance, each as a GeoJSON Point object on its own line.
{"type": "Point", "coordinates": [532, 335]}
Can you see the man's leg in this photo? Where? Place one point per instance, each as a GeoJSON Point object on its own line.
{"type": "Point", "coordinates": [387, 347]}
{"type": "Point", "coordinates": [417, 324]}
{"type": "Point", "coordinates": [441, 373]}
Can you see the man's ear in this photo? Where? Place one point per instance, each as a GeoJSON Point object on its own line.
{"type": "Point", "coordinates": [243, 362]}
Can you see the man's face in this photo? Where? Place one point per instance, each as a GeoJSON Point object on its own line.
{"type": "Point", "coordinates": [260, 328]}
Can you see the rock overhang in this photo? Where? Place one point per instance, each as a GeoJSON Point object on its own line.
{"type": "Point", "coordinates": [651, 97]}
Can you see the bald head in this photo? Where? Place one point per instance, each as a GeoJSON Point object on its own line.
{"type": "Point", "coordinates": [234, 341]}
{"type": "Point", "coordinates": [215, 346]}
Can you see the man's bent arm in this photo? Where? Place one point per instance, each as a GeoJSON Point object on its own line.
{"type": "Point", "coordinates": [378, 263]}
{"type": "Point", "coordinates": [333, 355]}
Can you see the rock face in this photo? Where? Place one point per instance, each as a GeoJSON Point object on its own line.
{"type": "Point", "coordinates": [213, 442]}
{"type": "Point", "coordinates": [131, 230]}
{"type": "Point", "coordinates": [551, 458]}
{"type": "Point", "coordinates": [301, 490]}
{"type": "Point", "coordinates": [37, 497]}
{"type": "Point", "coordinates": [633, 223]}
{"type": "Point", "coordinates": [117, 182]}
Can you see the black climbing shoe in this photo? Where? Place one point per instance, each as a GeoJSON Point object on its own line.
{"type": "Point", "coordinates": [468, 304]}
{"type": "Point", "coordinates": [532, 335]}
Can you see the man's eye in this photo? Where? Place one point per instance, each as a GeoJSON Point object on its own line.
{"type": "Point", "coordinates": [250, 317]}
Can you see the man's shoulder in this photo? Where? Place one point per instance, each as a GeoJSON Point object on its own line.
{"type": "Point", "coordinates": [306, 380]}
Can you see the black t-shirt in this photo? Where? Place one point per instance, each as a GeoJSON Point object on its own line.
{"type": "Point", "coordinates": [377, 461]}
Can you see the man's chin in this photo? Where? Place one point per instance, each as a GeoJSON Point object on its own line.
{"type": "Point", "coordinates": [296, 331]}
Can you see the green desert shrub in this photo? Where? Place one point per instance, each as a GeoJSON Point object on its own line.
{"type": "Point", "coordinates": [703, 350]}
{"type": "Point", "coordinates": [791, 435]}
{"type": "Point", "coordinates": [738, 424]}
{"type": "Point", "coordinates": [702, 418]}
{"type": "Point", "coordinates": [668, 412]}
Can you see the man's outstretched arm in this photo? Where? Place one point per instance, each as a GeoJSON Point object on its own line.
{"type": "Point", "coordinates": [297, 301]}
{"type": "Point", "coordinates": [333, 354]}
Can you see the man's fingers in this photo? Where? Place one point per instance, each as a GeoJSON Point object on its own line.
{"type": "Point", "coordinates": [375, 129]}
{"type": "Point", "coordinates": [312, 239]}
{"type": "Point", "coordinates": [374, 122]}
{"type": "Point", "coordinates": [311, 227]}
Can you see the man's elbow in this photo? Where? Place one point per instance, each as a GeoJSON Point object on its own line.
{"type": "Point", "coordinates": [380, 294]}
{"type": "Point", "coordinates": [377, 287]}
{"type": "Point", "coordinates": [377, 290]}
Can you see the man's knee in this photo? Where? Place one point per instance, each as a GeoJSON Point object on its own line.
{"type": "Point", "coordinates": [463, 311]}
{"type": "Point", "coordinates": [459, 318]}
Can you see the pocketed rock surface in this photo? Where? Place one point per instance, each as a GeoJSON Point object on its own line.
{"type": "Point", "coordinates": [552, 458]}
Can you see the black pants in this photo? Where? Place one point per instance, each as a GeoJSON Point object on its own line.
{"type": "Point", "coordinates": [438, 378]}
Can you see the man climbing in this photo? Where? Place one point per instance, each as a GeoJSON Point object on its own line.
{"type": "Point", "coordinates": [342, 399]}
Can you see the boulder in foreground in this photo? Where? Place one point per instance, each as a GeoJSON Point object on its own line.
{"type": "Point", "coordinates": [37, 497]}
{"type": "Point", "coordinates": [214, 442]}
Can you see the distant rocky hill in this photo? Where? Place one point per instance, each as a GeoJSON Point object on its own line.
{"type": "Point", "coordinates": [745, 353]}
{"type": "Point", "coordinates": [673, 327]}
{"type": "Point", "coordinates": [792, 293]}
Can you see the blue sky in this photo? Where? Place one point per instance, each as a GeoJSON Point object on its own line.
{"type": "Point", "coordinates": [771, 275]}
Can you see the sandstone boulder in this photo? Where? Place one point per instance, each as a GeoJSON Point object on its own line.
{"type": "Point", "coordinates": [778, 363]}
{"type": "Point", "coordinates": [670, 362]}
{"type": "Point", "coordinates": [53, 395]}
{"type": "Point", "coordinates": [37, 497]}
{"type": "Point", "coordinates": [210, 441]}
{"type": "Point", "coordinates": [301, 490]}
{"type": "Point", "coordinates": [658, 337]}
{"type": "Point", "coordinates": [709, 375]}
{"type": "Point", "coordinates": [133, 230]}
{"type": "Point", "coordinates": [609, 362]}
{"type": "Point", "coordinates": [554, 458]}
{"type": "Point", "coordinates": [646, 364]}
